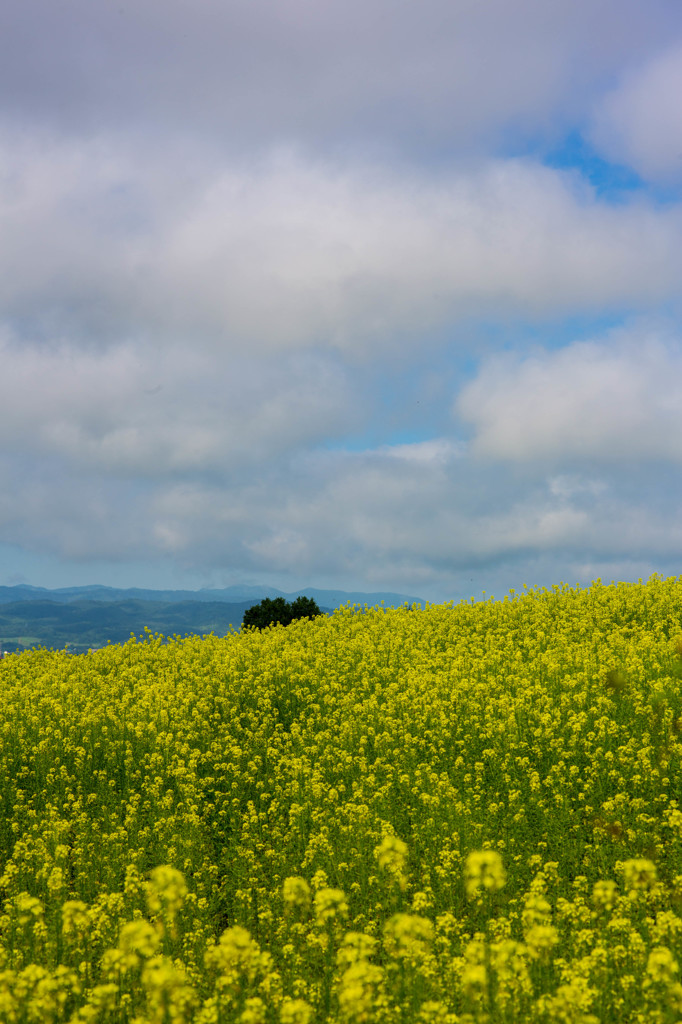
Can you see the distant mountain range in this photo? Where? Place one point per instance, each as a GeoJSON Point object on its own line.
{"type": "Point", "coordinates": [85, 617]}
{"type": "Point", "coordinates": [234, 594]}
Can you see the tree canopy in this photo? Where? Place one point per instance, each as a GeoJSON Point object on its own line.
{"type": "Point", "coordinates": [270, 611]}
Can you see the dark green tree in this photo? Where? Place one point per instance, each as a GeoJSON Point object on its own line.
{"type": "Point", "coordinates": [270, 611]}
{"type": "Point", "coordinates": [304, 608]}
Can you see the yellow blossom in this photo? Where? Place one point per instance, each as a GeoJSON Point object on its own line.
{"type": "Point", "coordinates": [391, 855]}
{"type": "Point", "coordinates": [662, 965]}
{"type": "Point", "coordinates": [166, 892]}
{"type": "Point", "coordinates": [604, 893]}
{"type": "Point", "coordinates": [408, 936]}
{"type": "Point", "coordinates": [484, 870]}
{"type": "Point", "coordinates": [296, 893]}
{"type": "Point", "coordinates": [330, 904]}
{"type": "Point", "coordinates": [639, 873]}
{"type": "Point", "coordinates": [360, 992]}
{"type": "Point", "coordinates": [295, 1011]}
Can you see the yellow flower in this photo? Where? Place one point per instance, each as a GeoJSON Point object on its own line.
{"type": "Point", "coordinates": [408, 936]}
{"type": "Point", "coordinates": [254, 1011]}
{"type": "Point", "coordinates": [45, 993]}
{"type": "Point", "coordinates": [540, 939]}
{"type": "Point", "coordinates": [137, 941]}
{"type": "Point", "coordinates": [330, 904]}
{"type": "Point", "coordinates": [296, 893]}
{"type": "Point", "coordinates": [570, 1004]}
{"type": "Point", "coordinates": [536, 910]}
{"type": "Point", "coordinates": [604, 894]}
{"type": "Point", "coordinates": [295, 1011]}
{"type": "Point", "coordinates": [166, 892]}
{"type": "Point", "coordinates": [55, 882]}
{"type": "Point", "coordinates": [474, 979]}
{"type": "Point", "coordinates": [29, 908]}
{"type": "Point", "coordinates": [391, 855]}
{"type": "Point", "coordinates": [662, 965]}
{"type": "Point", "coordinates": [639, 873]}
{"type": "Point", "coordinates": [75, 919]}
{"type": "Point", "coordinates": [484, 869]}
{"type": "Point", "coordinates": [355, 946]}
{"type": "Point", "coordinates": [420, 902]}
{"type": "Point", "coordinates": [235, 951]}
{"type": "Point", "coordinates": [359, 991]}
{"type": "Point", "coordinates": [435, 1012]}
{"type": "Point", "coordinates": [101, 999]}
{"type": "Point", "coordinates": [170, 997]}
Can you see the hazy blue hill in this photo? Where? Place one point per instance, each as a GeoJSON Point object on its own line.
{"type": "Point", "coordinates": [84, 624]}
{"type": "Point", "coordinates": [67, 595]}
{"type": "Point", "coordinates": [231, 595]}
{"type": "Point", "coordinates": [93, 616]}
{"type": "Point", "coordinates": [10, 595]}
{"type": "Point", "coordinates": [335, 598]}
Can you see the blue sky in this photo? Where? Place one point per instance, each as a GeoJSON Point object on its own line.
{"type": "Point", "coordinates": [373, 296]}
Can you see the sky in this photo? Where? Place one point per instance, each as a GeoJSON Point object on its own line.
{"type": "Point", "coordinates": [374, 294]}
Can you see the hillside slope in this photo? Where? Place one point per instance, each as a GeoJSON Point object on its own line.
{"type": "Point", "coordinates": [457, 814]}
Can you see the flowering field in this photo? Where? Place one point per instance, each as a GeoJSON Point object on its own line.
{"type": "Point", "coordinates": [460, 814]}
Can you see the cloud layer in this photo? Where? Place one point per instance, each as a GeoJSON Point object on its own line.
{"type": "Point", "coordinates": [432, 522]}
{"type": "Point", "coordinates": [288, 253]}
{"type": "Point", "coordinates": [358, 72]}
{"type": "Point", "coordinates": [323, 294]}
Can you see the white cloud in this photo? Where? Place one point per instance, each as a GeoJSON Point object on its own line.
{"type": "Point", "coordinates": [288, 253]}
{"type": "Point", "coordinates": [640, 122]}
{"type": "Point", "coordinates": [616, 400]}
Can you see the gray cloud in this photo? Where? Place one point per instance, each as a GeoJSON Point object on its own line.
{"type": "Point", "coordinates": [439, 76]}
{"type": "Point", "coordinates": [431, 519]}
{"type": "Point", "coordinates": [640, 122]}
{"type": "Point", "coordinates": [131, 411]}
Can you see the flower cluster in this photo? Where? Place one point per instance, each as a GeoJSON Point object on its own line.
{"type": "Point", "coordinates": [462, 814]}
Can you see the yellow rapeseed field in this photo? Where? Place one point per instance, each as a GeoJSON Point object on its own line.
{"type": "Point", "coordinates": [466, 813]}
